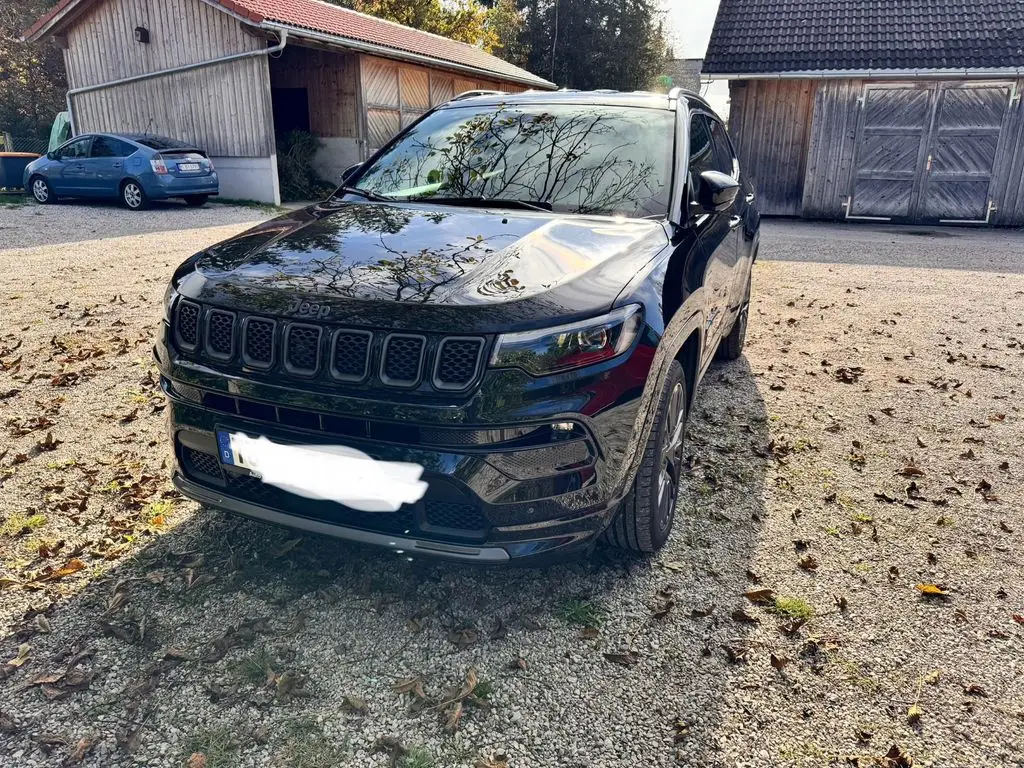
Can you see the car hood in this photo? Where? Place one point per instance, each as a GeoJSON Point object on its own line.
{"type": "Point", "coordinates": [358, 262]}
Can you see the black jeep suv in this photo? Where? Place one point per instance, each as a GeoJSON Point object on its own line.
{"type": "Point", "coordinates": [518, 293]}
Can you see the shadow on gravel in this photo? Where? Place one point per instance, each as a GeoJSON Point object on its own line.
{"type": "Point", "coordinates": [228, 627]}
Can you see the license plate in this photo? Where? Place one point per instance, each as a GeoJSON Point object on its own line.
{"type": "Point", "coordinates": [229, 453]}
{"type": "Point", "coordinates": [188, 167]}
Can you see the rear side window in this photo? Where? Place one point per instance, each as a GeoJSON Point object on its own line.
{"type": "Point", "coordinates": [105, 146]}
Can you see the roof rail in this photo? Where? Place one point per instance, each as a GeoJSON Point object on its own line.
{"type": "Point", "coordinates": [471, 94]}
{"type": "Point", "coordinates": [675, 93]}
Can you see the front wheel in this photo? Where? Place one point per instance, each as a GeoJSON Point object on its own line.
{"type": "Point", "coordinates": [644, 519]}
{"type": "Point", "coordinates": [41, 190]}
{"type": "Point", "coordinates": [133, 196]}
{"type": "Point", "coordinates": [196, 201]}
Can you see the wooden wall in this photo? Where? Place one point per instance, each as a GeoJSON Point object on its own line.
{"type": "Point", "coordinates": [225, 109]}
{"type": "Point", "coordinates": [831, 149]}
{"type": "Point", "coordinates": [1009, 181]}
{"type": "Point", "coordinates": [332, 81]}
{"type": "Point", "coordinates": [770, 121]}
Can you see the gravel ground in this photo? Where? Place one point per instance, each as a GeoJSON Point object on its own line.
{"type": "Point", "coordinates": [870, 441]}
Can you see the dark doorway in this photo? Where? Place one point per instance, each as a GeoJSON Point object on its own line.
{"type": "Point", "coordinates": [291, 110]}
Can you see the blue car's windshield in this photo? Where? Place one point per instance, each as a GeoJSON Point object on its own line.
{"type": "Point", "coordinates": [572, 158]}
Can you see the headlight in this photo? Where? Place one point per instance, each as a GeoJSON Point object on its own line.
{"type": "Point", "coordinates": [570, 346]}
{"type": "Point", "coordinates": [169, 296]}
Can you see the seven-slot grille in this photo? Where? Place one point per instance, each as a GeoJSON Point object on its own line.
{"type": "Point", "coordinates": [349, 355]}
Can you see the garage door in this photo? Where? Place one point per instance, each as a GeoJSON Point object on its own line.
{"type": "Point", "coordinates": [926, 153]}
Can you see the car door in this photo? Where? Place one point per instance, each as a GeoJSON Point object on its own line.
{"type": "Point", "coordinates": [104, 168]}
{"type": "Point", "coordinates": [739, 269]}
{"type": "Point", "coordinates": [68, 174]}
{"type": "Point", "coordinates": [716, 232]}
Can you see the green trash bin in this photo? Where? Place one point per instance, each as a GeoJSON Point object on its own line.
{"type": "Point", "coordinates": [12, 168]}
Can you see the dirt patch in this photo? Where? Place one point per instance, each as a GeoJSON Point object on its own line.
{"type": "Point", "coordinates": [845, 577]}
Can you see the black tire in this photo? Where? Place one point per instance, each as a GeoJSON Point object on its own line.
{"type": "Point", "coordinates": [41, 191]}
{"type": "Point", "coordinates": [133, 196]}
{"type": "Point", "coordinates": [644, 519]}
{"type": "Point", "coordinates": [731, 346]}
{"type": "Point", "coordinates": [196, 201]}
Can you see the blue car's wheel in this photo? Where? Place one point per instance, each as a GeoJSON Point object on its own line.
{"type": "Point", "coordinates": [41, 190]}
{"type": "Point", "coordinates": [133, 196]}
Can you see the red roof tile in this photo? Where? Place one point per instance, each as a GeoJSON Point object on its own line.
{"type": "Point", "coordinates": [322, 17]}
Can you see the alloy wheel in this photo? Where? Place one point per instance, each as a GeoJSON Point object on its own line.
{"type": "Point", "coordinates": [40, 191]}
{"type": "Point", "coordinates": [671, 458]}
{"type": "Point", "coordinates": [132, 195]}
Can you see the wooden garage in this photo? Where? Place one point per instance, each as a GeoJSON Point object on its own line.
{"type": "Point", "coordinates": [905, 112]}
{"type": "Point", "coordinates": [232, 75]}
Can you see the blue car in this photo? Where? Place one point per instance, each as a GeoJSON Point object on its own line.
{"type": "Point", "coordinates": [132, 168]}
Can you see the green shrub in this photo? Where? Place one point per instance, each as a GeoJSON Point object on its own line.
{"type": "Point", "coordinates": [295, 151]}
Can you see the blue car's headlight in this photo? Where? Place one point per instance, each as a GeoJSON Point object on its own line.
{"type": "Point", "coordinates": [564, 347]}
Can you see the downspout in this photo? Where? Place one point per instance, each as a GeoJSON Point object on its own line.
{"type": "Point", "coordinates": [283, 41]}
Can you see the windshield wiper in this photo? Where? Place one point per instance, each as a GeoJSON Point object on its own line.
{"type": "Point", "coordinates": [485, 202]}
{"type": "Point", "coordinates": [365, 194]}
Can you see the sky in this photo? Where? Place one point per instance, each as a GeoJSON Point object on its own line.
{"type": "Point", "coordinates": [690, 23]}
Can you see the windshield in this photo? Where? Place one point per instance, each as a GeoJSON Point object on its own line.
{"type": "Point", "coordinates": [575, 159]}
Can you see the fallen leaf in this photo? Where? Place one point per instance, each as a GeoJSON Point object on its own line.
{"type": "Point", "coordinates": [743, 617]}
{"type": "Point", "coordinates": [355, 705]}
{"type": "Point", "coordinates": [196, 760]}
{"type": "Point", "coordinates": [779, 662]}
{"type": "Point", "coordinates": [463, 638]}
{"type": "Point", "coordinates": [760, 595]}
{"type": "Point", "coordinates": [287, 547]}
{"type": "Point", "coordinates": [663, 609]}
{"type": "Point", "coordinates": [897, 758]}
{"type": "Point", "coordinates": [808, 563]}
{"type": "Point", "coordinates": [81, 749]}
{"type": "Point", "coordinates": [74, 565]}
{"type": "Point", "coordinates": [931, 590]}
{"type": "Point", "coordinates": [451, 722]}
{"type": "Point", "coordinates": [791, 627]}
{"type": "Point", "coordinates": [22, 657]}
{"type": "Point", "coordinates": [497, 760]}
{"type": "Point", "coordinates": [975, 690]}
{"type": "Point", "coordinates": [590, 633]}
{"type": "Point", "coordinates": [625, 658]}
{"type": "Point", "coordinates": [1004, 527]}
{"type": "Point", "coordinates": [1018, 618]}
{"type": "Point", "coordinates": [410, 685]}
{"type": "Point", "coordinates": [914, 713]}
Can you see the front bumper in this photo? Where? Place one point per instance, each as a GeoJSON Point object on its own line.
{"type": "Point", "coordinates": [487, 502]}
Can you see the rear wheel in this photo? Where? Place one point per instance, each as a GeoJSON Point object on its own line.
{"type": "Point", "coordinates": [41, 190]}
{"type": "Point", "coordinates": [196, 201]}
{"type": "Point", "coordinates": [732, 345]}
{"type": "Point", "coordinates": [133, 196]}
{"type": "Point", "coordinates": [644, 519]}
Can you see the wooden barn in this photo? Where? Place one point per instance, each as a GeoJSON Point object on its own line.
{"type": "Point", "coordinates": [231, 75]}
{"type": "Point", "coordinates": [904, 111]}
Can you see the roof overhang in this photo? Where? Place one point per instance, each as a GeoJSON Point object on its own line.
{"type": "Point", "coordinates": [65, 12]}
{"type": "Point", "coordinates": [871, 74]}
{"type": "Point", "coordinates": [298, 34]}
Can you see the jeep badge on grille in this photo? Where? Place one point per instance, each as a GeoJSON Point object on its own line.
{"type": "Point", "coordinates": [308, 309]}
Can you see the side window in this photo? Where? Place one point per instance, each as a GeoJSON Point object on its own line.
{"type": "Point", "coordinates": [104, 146]}
{"type": "Point", "coordinates": [76, 150]}
{"type": "Point", "coordinates": [702, 149]}
{"type": "Point", "coordinates": [725, 160]}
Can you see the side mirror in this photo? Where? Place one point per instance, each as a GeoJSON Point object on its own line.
{"type": "Point", "coordinates": [350, 172]}
{"type": "Point", "coordinates": [51, 156]}
{"type": "Point", "coordinates": [716, 191]}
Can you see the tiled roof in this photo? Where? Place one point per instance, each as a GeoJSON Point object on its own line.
{"type": "Point", "coordinates": [343, 24]}
{"type": "Point", "coordinates": [775, 36]}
